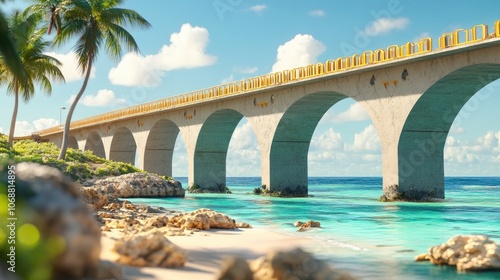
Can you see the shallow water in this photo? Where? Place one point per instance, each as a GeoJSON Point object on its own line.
{"type": "Point", "coordinates": [372, 240]}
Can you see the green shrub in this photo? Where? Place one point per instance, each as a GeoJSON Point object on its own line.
{"type": "Point", "coordinates": [79, 165]}
{"type": "Point", "coordinates": [78, 171]}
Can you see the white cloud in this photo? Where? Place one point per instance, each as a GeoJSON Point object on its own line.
{"type": "Point", "coordinates": [1, 130]}
{"type": "Point", "coordinates": [69, 67]}
{"type": "Point", "coordinates": [355, 112]}
{"type": "Point", "coordinates": [103, 98]}
{"type": "Point", "coordinates": [330, 155]}
{"type": "Point", "coordinates": [329, 140]}
{"type": "Point", "coordinates": [247, 70]}
{"type": "Point", "coordinates": [454, 130]}
{"type": "Point", "coordinates": [258, 8]}
{"type": "Point", "coordinates": [243, 138]}
{"type": "Point", "coordinates": [385, 25]}
{"type": "Point", "coordinates": [227, 79]}
{"type": "Point", "coordinates": [186, 51]}
{"type": "Point", "coordinates": [44, 123]}
{"type": "Point", "coordinates": [367, 140]}
{"type": "Point", "coordinates": [485, 149]}
{"type": "Point", "coordinates": [300, 51]}
{"type": "Point", "coordinates": [317, 13]}
{"type": "Point", "coordinates": [25, 128]}
{"type": "Point", "coordinates": [243, 153]}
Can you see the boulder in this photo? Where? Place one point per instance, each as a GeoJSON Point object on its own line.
{"type": "Point", "coordinates": [137, 185]}
{"type": "Point", "coordinates": [69, 235]}
{"type": "Point", "coordinates": [95, 197]}
{"type": "Point", "coordinates": [306, 225]}
{"type": "Point", "coordinates": [153, 250]}
{"type": "Point", "coordinates": [158, 222]}
{"type": "Point", "coordinates": [203, 219]}
{"type": "Point", "coordinates": [243, 225]}
{"type": "Point", "coordinates": [467, 253]}
{"type": "Point", "coordinates": [122, 223]}
{"type": "Point", "coordinates": [294, 264]}
{"type": "Point", "coordinates": [235, 269]}
{"type": "Point", "coordinates": [298, 224]}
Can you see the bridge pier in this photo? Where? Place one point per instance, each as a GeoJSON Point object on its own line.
{"type": "Point", "coordinates": [210, 171]}
{"type": "Point", "coordinates": [421, 166]}
{"type": "Point", "coordinates": [288, 172]}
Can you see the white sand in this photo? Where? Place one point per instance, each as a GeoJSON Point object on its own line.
{"type": "Point", "coordinates": [206, 251]}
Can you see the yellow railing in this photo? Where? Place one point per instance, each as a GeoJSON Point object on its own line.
{"type": "Point", "coordinates": [447, 40]}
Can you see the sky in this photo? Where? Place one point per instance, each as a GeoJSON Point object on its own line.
{"type": "Point", "coordinates": [199, 44]}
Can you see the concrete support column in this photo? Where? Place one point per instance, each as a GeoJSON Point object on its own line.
{"type": "Point", "coordinates": [421, 166]}
{"type": "Point", "coordinates": [140, 139]}
{"type": "Point", "coordinates": [210, 170]}
{"type": "Point", "coordinates": [288, 172]}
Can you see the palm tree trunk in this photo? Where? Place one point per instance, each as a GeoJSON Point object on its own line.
{"type": "Point", "coordinates": [64, 145]}
{"type": "Point", "coordinates": [14, 114]}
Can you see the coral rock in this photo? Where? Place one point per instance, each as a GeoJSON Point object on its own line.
{"type": "Point", "coordinates": [467, 253]}
{"type": "Point", "coordinates": [295, 264]}
{"type": "Point", "coordinates": [203, 219]}
{"type": "Point", "coordinates": [235, 269]}
{"type": "Point", "coordinates": [298, 224]}
{"type": "Point", "coordinates": [161, 221]}
{"type": "Point", "coordinates": [54, 206]}
{"type": "Point", "coordinates": [306, 225]}
{"type": "Point", "coordinates": [138, 185]}
{"type": "Point", "coordinates": [95, 197]}
{"type": "Point", "coordinates": [152, 249]}
{"type": "Point", "coordinates": [243, 225]}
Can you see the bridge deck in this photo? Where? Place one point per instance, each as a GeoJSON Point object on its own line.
{"type": "Point", "coordinates": [452, 42]}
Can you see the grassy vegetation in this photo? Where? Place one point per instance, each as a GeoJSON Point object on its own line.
{"type": "Point", "coordinates": [79, 165]}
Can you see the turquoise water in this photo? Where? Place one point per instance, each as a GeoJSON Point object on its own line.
{"type": "Point", "coordinates": [372, 240]}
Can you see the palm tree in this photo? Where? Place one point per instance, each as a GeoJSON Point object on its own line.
{"type": "Point", "coordinates": [38, 67]}
{"type": "Point", "coordinates": [8, 51]}
{"type": "Point", "coordinates": [96, 22]}
{"type": "Point", "coordinates": [51, 9]}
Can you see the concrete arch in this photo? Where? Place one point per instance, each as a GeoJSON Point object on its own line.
{"type": "Point", "coordinates": [123, 146]}
{"type": "Point", "coordinates": [73, 143]}
{"type": "Point", "coordinates": [209, 170]}
{"type": "Point", "coordinates": [290, 144]}
{"type": "Point", "coordinates": [94, 143]}
{"type": "Point", "coordinates": [160, 147]}
{"type": "Point", "coordinates": [422, 139]}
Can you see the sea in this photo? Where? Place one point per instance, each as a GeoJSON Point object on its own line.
{"type": "Point", "coordinates": [358, 234]}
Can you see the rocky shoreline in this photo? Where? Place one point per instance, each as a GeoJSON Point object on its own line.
{"type": "Point", "coordinates": [71, 220]}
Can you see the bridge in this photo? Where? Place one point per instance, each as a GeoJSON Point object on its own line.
{"type": "Point", "coordinates": [412, 93]}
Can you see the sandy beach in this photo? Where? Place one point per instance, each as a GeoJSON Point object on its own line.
{"type": "Point", "coordinates": [206, 250]}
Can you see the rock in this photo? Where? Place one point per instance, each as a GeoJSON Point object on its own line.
{"type": "Point", "coordinates": [137, 185]}
{"type": "Point", "coordinates": [161, 221]}
{"type": "Point", "coordinates": [67, 230]}
{"type": "Point", "coordinates": [295, 264]}
{"type": "Point", "coordinates": [128, 205]}
{"type": "Point", "coordinates": [467, 253]}
{"type": "Point", "coordinates": [422, 257]}
{"type": "Point", "coordinates": [306, 225]}
{"type": "Point", "coordinates": [235, 269]}
{"type": "Point", "coordinates": [243, 225]}
{"type": "Point", "coordinates": [122, 223]}
{"type": "Point", "coordinates": [204, 219]}
{"type": "Point", "coordinates": [95, 197]}
{"type": "Point", "coordinates": [152, 250]}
